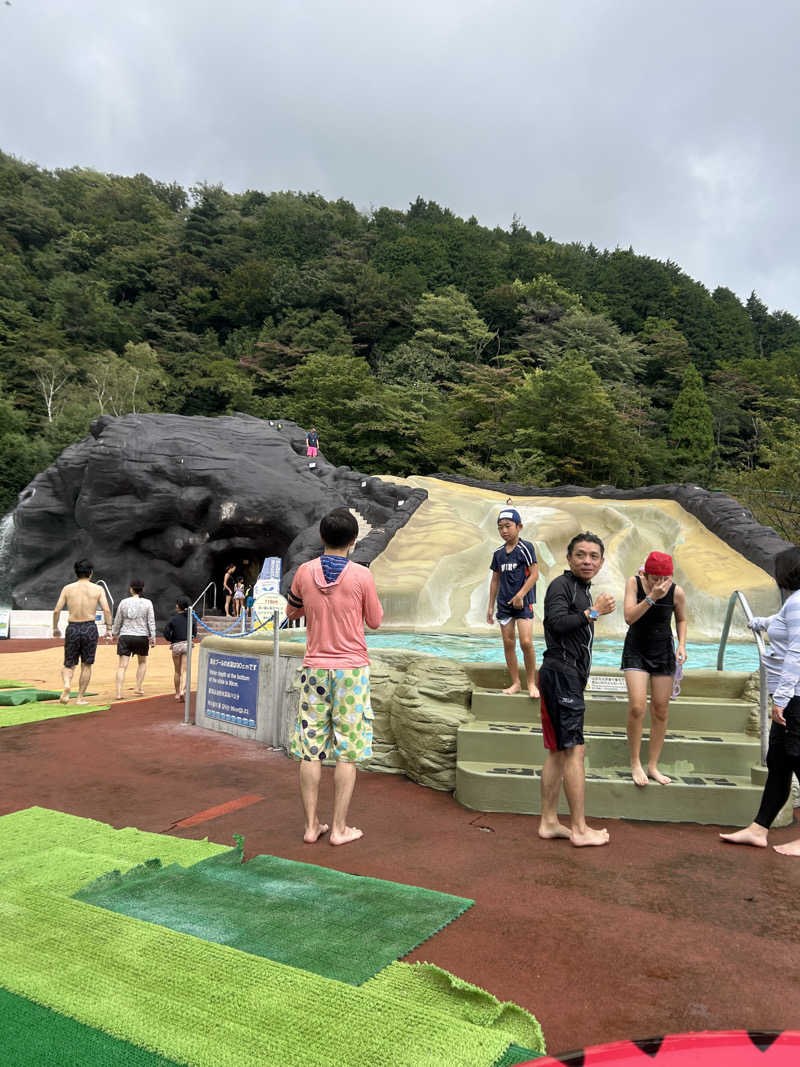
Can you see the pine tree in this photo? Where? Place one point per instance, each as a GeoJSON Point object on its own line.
{"type": "Point", "coordinates": [692, 427]}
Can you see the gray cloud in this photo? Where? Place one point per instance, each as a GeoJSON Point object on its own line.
{"type": "Point", "coordinates": [670, 128]}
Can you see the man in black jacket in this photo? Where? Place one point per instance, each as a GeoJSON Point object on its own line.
{"type": "Point", "coordinates": [569, 618]}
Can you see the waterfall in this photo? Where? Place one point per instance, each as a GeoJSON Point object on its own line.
{"type": "Point", "coordinates": [6, 556]}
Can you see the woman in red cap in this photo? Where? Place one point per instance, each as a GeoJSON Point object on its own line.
{"type": "Point", "coordinates": [649, 653]}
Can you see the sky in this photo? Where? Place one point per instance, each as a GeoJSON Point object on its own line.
{"type": "Point", "coordinates": [666, 125]}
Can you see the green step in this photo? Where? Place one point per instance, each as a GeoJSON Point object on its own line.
{"type": "Point", "coordinates": [719, 800]}
{"type": "Point", "coordinates": [607, 746]}
{"type": "Point", "coordinates": [705, 714]}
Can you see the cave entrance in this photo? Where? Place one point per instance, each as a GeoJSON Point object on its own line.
{"type": "Point", "coordinates": [247, 554]}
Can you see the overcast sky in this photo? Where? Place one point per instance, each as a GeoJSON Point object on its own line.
{"type": "Point", "coordinates": [671, 126]}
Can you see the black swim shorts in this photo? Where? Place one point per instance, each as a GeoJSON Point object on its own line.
{"type": "Point", "coordinates": [132, 645]}
{"type": "Point", "coordinates": [562, 706]}
{"type": "Point", "coordinates": [80, 643]}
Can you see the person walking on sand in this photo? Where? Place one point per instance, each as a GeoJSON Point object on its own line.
{"type": "Point", "coordinates": [177, 633]}
{"type": "Point", "coordinates": [337, 597]}
{"type": "Point", "coordinates": [569, 618]}
{"type": "Point", "coordinates": [135, 627]}
{"type": "Point", "coordinates": [513, 589]}
{"type": "Point", "coordinates": [782, 662]}
{"type": "Point", "coordinates": [651, 599]}
{"type": "Point", "coordinates": [81, 599]}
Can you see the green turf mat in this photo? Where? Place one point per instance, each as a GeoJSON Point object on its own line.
{"type": "Point", "coordinates": [41, 712]}
{"type": "Point", "coordinates": [517, 1054]}
{"type": "Point", "coordinates": [53, 850]}
{"type": "Point", "coordinates": [213, 1006]}
{"type": "Point", "coordinates": [295, 913]}
{"type": "Point", "coordinates": [424, 983]}
{"type": "Point", "coordinates": [34, 1036]}
{"type": "Point", "coordinates": [15, 697]}
{"type": "Point", "coordinates": [7, 683]}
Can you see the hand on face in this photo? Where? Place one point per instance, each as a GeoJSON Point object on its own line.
{"type": "Point", "coordinates": [660, 586]}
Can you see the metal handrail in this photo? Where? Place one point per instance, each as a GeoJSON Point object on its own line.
{"type": "Point", "coordinates": [100, 581]}
{"type": "Point", "coordinates": [187, 706]}
{"type": "Point", "coordinates": [738, 597]}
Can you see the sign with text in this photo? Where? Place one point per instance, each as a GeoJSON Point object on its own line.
{"type": "Point", "coordinates": [606, 683]}
{"type": "Point", "coordinates": [232, 688]}
{"type": "Point", "coordinates": [5, 623]}
{"type": "Point", "coordinates": [264, 608]}
{"type": "Point", "coordinates": [269, 580]}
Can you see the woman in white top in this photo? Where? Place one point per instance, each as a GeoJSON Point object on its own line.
{"type": "Point", "coordinates": [135, 627]}
{"type": "Point", "coordinates": [783, 682]}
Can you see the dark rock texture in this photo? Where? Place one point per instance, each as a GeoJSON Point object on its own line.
{"type": "Point", "coordinates": [173, 500]}
{"type": "Point", "coordinates": [721, 514]}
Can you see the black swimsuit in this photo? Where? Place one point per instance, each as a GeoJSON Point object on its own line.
{"type": "Point", "coordinates": [648, 642]}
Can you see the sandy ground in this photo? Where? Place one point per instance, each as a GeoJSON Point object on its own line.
{"type": "Point", "coordinates": [42, 669]}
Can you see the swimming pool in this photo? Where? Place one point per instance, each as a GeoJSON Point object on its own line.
{"type": "Point", "coordinates": [607, 653]}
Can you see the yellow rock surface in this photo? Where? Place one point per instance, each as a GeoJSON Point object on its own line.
{"type": "Point", "coordinates": [434, 574]}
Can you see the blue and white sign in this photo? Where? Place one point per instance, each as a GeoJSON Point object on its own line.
{"type": "Point", "coordinates": [269, 581]}
{"type": "Point", "coordinates": [232, 688]}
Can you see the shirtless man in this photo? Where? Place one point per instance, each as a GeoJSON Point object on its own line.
{"type": "Point", "coordinates": [80, 598]}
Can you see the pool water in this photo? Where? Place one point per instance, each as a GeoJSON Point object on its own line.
{"type": "Point", "coordinates": [607, 653]}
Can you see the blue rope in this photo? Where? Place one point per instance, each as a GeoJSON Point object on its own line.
{"type": "Point", "coordinates": [227, 633]}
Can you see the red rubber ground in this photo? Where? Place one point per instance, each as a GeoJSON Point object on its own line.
{"type": "Point", "coordinates": [665, 930]}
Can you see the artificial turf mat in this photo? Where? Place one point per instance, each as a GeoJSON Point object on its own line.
{"type": "Point", "coordinates": [515, 1054]}
{"type": "Point", "coordinates": [15, 697]}
{"type": "Point", "coordinates": [296, 913]}
{"type": "Point", "coordinates": [40, 712]}
{"type": "Point", "coordinates": [34, 1036]}
{"type": "Point", "coordinates": [7, 683]}
{"type": "Point", "coordinates": [196, 1002]}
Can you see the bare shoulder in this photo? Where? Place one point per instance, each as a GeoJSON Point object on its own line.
{"type": "Point", "coordinates": [679, 593]}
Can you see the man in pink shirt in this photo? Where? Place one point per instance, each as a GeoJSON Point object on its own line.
{"type": "Point", "coordinates": [337, 597]}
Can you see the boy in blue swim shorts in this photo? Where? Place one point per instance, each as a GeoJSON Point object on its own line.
{"type": "Point", "coordinates": [513, 588]}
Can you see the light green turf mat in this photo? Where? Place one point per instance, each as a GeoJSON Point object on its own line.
{"type": "Point", "coordinates": [7, 683]}
{"type": "Point", "coordinates": [206, 1004]}
{"type": "Point", "coordinates": [40, 712]}
{"type": "Point", "coordinates": [295, 913]}
{"type": "Point", "coordinates": [33, 1036]}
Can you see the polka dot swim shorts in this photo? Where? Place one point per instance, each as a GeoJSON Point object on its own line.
{"type": "Point", "coordinates": [335, 716]}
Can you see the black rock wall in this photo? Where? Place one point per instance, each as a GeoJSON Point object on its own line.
{"type": "Point", "coordinates": [172, 500]}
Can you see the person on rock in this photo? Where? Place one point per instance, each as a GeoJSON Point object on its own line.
{"type": "Point", "coordinates": [513, 589]}
{"type": "Point", "coordinates": [335, 716]}
{"type": "Point", "coordinates": [782, 662]}
{"type": "Point", "coordinates": [569, 618]}
{"type": "Point", "coordinates": [312, 442]}
{"type": "Point", "coordinates": [651, 599]}
{"type": "Point", "coordinates": [135, 628]}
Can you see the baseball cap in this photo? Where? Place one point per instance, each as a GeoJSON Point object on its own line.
{"type": "Point", "coordinates": [510, 513]}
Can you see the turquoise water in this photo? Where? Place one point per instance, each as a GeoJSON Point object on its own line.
{"type": "Point", "coordinates": [738, 657]}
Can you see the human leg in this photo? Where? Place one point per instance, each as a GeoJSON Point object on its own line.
{"type": "Point", "coordinates": [660, 694]}
{"type": "Point", "coordinates": [66, 678]}
{"type": "Point", "coordinates": [525, 631]}
{"type": "Point", "coordinates": [508, 633]}
{"type": "Point", "coordinates": [344, 782]}
{"type": "Point", "coordinates": [177, 667]}
{"type": "Point", "coordinates": [122, 666]}
{"type": "Point", "coordinates": [775, 794]}
{"type": "Point", "coordinates": [351, 718]}
{"type": "Point", "coordinates": [311, 743]}
{"type": "Point", "coordinates": [636, 683]}
{"type": "Point", "coordinates": [83, 682]}
{"type": "Point", "coordinates": [552, 777]}
{"type": "Point", "coordinates": [310, 775]}
{"type": "Point", "coordinates": [141, 670]}
{"type": "Point", "coordinates": [581, 834]}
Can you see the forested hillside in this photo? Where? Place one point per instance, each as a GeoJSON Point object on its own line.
{"type": "Point", "coordinates": [414, 340]}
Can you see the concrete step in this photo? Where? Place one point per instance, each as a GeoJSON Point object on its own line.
{"type": "Point", "coordinates": [719, 800]}
{"type": "Point", "coordinates": [611, 709]}
{"type": "Point", "coordinates": [684, 752]}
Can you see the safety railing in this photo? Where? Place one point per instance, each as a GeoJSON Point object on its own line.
{"type": "Point", "coordinates": [99, 581]}
{"type": "Point", "coordinates": [187, 706]}
{"type": "Point", "coordinates": [737, 597]}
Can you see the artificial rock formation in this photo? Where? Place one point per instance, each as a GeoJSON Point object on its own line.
{"type": "Point", "coordinates": [172, 500]}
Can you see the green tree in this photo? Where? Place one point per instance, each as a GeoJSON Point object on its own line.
{"type": "Point", "coordinates": [692, 427]}
{"type": "Point", "coordinates": [448, 324]}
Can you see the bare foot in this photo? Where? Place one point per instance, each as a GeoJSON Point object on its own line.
{"type": "Point", "coordinates": [515, 688]}
{"type": "Point", "coordinates": [550, 833]}
{"type": "Point", "coordinates": [81, 700]}
{"type": "Point", "coordinates": [139, 692]}
{"type": "Point", "coordinates": [120, 696]}
{"type": "Point", "coordinates": [751, 835]}
{"type": "Point", "coordinates": [310, 836]}
{"type": "Point", "coordinates": [657, 776]}
{"type": "Point", "coordinates": [179, 696]}
{"type": "Point", "coordinates": [64, 698]}
{"type": "Point", "coordinates": [637, 771]}
{"type": "Point", "coordinates": [350, 834]}
{"type": "Point", "coordinates": [791, 848]}
{"type": "Point", "coordinates": [533, 692]}
{"type": "Point", "coordinates": [589, 837]}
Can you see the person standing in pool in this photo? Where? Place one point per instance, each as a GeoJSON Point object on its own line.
{"type": "Point", "coordinates": [513, 588]}
{"type": "Point", "coordinates": [569, 618]}
{"type": "Point", "coordinates": [783, 683]}
{"type": "Point", "coordinates": [649, 654]}
{"type": "Point", "coordinates": [81, 598]}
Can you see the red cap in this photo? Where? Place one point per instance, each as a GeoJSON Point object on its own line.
{"type": "Point", "coordinates": [658, 564]}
